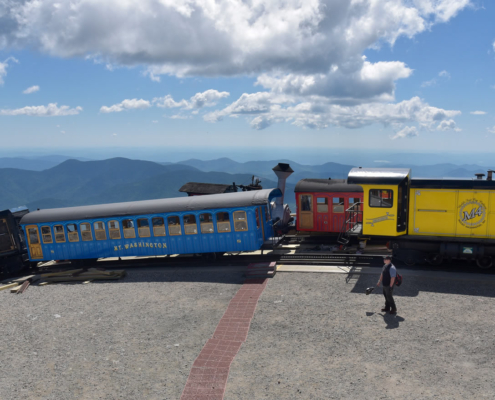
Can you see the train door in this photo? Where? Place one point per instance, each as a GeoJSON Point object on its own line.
{"type": "Point", "coordinates": [306, 211]}
{"type": "Point", "coordinates": [322, 224]}
{"type": "Point", "coordinates": [34, 242]}
{"type": "Point", "coordinates": [6, 239]}
{"type": "Point", "coordinates": [260, 221]}
{"type": "Point", "coordinates": [338, 213]}
{"type": "Point", "coordinates": [402, 207]}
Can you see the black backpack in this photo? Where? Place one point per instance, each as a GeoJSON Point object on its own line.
{"type": "Point", "coordinates": [398, 280]}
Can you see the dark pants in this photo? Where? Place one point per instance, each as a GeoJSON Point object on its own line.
{"type": "Point", "coordinates": [389, 298]}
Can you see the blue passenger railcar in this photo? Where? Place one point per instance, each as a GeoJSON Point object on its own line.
{"type": "Point", "coordinates": [200, 224]}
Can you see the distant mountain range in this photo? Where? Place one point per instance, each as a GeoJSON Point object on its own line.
{"type": "Point", "coordinates": [74, 183]}
{"type": "Point", "coordinates": [55, 181]}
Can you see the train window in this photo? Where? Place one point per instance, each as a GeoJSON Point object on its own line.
{"type": "Point", "coordinates": [114, 229]}
{"type": "Point", "coordinates": [86, 234]}
{"type": "Point", "coordinates": [33, 236]}
{"type": "Point", "coordinates": [190, 226]}
{"type": "Point", "coordinates": [72, 233]}
{"type": "Point", "coordinates": [338, 205]}
{"type": "Point", "coordinates": [267, 215]}
{"type": "Point", "coordinates": [257, 219]}
{"type": "Point", "coordinates": [144, 227]}
{"type": "Point", "coordinates": [129, 229]}
{"type": "Point", "coordinates": [100, 233]}
{"type": "Point", "coordinates": [306, 202]}
{"type": "Point", "coordinates": [206, 222]}
{"type": "Point", "coordinates": [174, 228]}
{"type": "Point", "coordinates": [322, 204]}
{"type": "Point", "coordinates": [59, 233]}
{"type": "Point", "coordinates": [223, 222]}
{"type": "Point", "coordinates": [46, 234]}
{"type": "Point", "coordinates": [381, 198]}
{"type": "Point", "coordinates": [240, 221]}
{"type": "Point", "coordinates": [158, 226]}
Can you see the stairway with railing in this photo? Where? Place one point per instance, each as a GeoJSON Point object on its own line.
{"type": "Point", "coordinates": [353, 224]}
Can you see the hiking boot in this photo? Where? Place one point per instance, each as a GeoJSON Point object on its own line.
{"type": "Point", "coordinates": [385, 309]}
{"type": "Point", "coordinates": [393, 312]}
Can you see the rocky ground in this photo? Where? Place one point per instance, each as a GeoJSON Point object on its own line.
{"type": "Point", "coordinates": [135, 338]}
{"type": "Point", "coordinates": [313, 336]}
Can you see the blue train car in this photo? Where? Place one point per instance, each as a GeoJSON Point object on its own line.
{"type": "Point", "coordinates": [199, 224]}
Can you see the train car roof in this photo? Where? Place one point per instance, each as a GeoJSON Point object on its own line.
{"type": "Point", "coordinates": [158, 206]}
{"type": "Point", "coordinates": [379, 176]}
{"type": "Point", "coordinates": [326, 185]}
{"type": "Point", "coordinates": [452, 183]}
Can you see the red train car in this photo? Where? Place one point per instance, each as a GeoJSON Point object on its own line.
{"type": "Point", "coordinates": [321, 203]}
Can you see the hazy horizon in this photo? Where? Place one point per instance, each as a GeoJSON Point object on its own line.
{"type": "Point", "coordinates": [372, 157]}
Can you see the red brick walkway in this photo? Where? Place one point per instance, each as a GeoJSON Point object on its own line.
{"type": "Point", "coordinates": [210, 371]}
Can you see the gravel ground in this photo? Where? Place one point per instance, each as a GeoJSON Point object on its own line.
{"type": "Point", "coordinates": [130, 339]}
{"type": "Point", "coordinates": [314, 336]}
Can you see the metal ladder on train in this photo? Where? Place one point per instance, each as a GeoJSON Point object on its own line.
{"type": "Point", "coordinates": [353, 220]}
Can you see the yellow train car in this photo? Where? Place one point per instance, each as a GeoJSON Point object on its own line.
{"type": "Point", "coordinates": [429, 219]}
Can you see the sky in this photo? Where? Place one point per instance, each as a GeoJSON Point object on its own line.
{"type": "Point", "coordinates": [374, 76]}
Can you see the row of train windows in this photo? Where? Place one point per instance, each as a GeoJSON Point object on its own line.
{"type": "Point", "coordinates": [338, 203]}
{"type": "Point", "coordinates": [144, 227]}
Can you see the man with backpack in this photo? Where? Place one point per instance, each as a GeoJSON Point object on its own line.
{"type": "Point", "coordinates": [387, 277]}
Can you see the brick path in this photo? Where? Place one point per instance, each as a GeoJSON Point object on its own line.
{"type": "Point", "coordinates": [210, 371]}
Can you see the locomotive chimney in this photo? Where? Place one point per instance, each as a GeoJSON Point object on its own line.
{"type": "Point", "coordinates": [283, 171]}
{"type": "Point", "coordinates": [490, 173]}
{"type": "Point", "coordinates": [479, 176]}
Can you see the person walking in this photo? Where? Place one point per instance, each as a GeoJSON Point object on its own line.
{"type": "Point", "coordinates": [387, 277]}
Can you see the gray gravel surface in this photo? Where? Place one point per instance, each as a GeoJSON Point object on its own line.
{"type": "Point", "coordinates": [135, 338]}
{"type": "Point", "coordinates": [313, 336]}
{"type": "Point", "coordinates": [316, 336]}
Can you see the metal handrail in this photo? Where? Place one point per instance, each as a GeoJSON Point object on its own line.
{"type": "Point", "coordinates": [351, 217]}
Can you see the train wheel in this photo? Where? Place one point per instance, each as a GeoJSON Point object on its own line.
{"type": "Point", "coordinates": [484, 262]}
{"type": "Point", "coordinates": [410, 262]}
{"type": "Point", "coordinates": [435, 259]}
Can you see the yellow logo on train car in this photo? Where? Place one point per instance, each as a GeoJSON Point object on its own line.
{"type": "Point", "coordinates": [472, 213]}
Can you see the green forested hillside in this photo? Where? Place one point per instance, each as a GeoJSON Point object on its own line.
{"type": "Point", "coordinates": [74, 183]}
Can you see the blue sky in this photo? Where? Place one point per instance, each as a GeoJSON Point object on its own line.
{"type": "Point", "coordinates": [371, 75]}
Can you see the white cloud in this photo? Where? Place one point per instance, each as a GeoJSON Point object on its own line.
{"type": "Point", "coordinates": [444, 74]}
{"type": "Point", "coordinates": [52, 110]}
{"type": "Point", "coordinates": [491, 130]}
{"type": "Point", "coordinates": [5, 63]}
{"type": "Point", "coordinates": [447, 125]}
{"type": "Point", "coordinates": [180, 116]}
{"type": "Point", "coordinates": [209, 98]}
{"type": "Point", "coordinates": [265, 108]}
{"type": "Point", "coordinates": [225, 37]}
{"type": "Point", "coordinates": [364, 81]}
{"type": "Point", "coordinates": [478, 112]}
{"type": "Point", "coordinates": [407, 132]}
{"type": "Point", "coordinates": [432, 82]}
{"type": "Point", "coordinates": [154, 121]}
{"type": "Point", "coordinates": [31, 89]}
{"type": "Point", "coordinates": [127, 104]}
{"type": "Point", "coordinates": [308, 54]}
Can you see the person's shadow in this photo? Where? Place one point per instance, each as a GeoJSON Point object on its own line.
{"type": "Point", "coordinates": [392, 321]}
